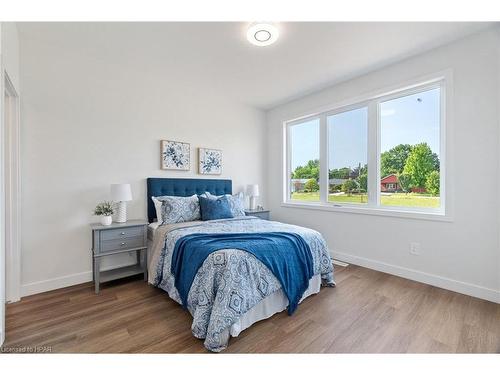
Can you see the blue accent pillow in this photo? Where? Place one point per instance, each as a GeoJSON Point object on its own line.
{"type": "Point", "coordinates": [236, 202]}
{"type": "Point", "coordinates": [213, 209]}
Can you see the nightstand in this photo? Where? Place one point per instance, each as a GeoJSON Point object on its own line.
{"type": "Point", "coordinates": [119, 238]}
{"type": "Point", "coordinates": [261, 214]}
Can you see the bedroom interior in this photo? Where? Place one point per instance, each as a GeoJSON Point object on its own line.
{"type": "Point", "coordinates": [182, 187]}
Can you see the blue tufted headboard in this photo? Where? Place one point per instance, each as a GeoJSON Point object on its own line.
{"type": "Point", "coordinates": [183, 187]}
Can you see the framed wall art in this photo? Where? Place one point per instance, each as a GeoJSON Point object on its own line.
{"type": "Point", "coordinates": [210, 161]}
{"type": "Point", "coordinates": [175, 155]}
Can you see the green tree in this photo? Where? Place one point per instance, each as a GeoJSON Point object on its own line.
{"type": "Point", "coordinates": [359, 170]}
{"type": "Point", "coordinates": [419, 164]}
{"type": "Point", "coordinates": [311, 185]}
{"type": "Point", "coordinates": [349, 186]}
{"type": "Point", "coordinates": [404, 181]}
{"type": "Point", "coordinates": [435, 161]}
{"type": "Point", "coordinates": [310, 170]}
{"type": "Point", "coordinates": [339, 173]}
{"type": "Point", "coordinates": [432, 183]}
{"type": "Point", "coordinates": [394, 160]}
{"type": "Point", "coordinates": [363, 182]}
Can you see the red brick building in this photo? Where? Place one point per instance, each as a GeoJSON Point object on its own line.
{"type": "Point", "coordinates": [389, 183]}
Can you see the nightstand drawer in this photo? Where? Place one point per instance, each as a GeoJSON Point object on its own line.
{"type": "Point", "coordinates": [121, 244]}
{"type": "Point", "coordinates": [121, 233]}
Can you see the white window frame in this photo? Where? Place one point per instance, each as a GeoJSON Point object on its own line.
{"type": "Point", "coordinates": [288, 159]}
{"type": "Point", "coordinates": [443, 80]}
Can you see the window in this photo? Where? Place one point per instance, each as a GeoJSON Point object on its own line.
{"type": "Point", "coordinates": [383, 153]}
{"type": "Point", "coordinates": [304, 161]}
{"type": "Point", "coordinates": [347, 156]}
{"type": "Point", "coordinates": [409, 145]}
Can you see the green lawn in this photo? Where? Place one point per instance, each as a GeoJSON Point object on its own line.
{"type": "Point", "coordinates": [396, 199]}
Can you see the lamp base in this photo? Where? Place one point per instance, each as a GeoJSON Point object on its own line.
{"type": "Point", "coordinates": [253, 203]}
{"type": "Point", "coordinates": [121, 212]}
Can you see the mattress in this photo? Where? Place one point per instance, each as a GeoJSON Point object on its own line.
{"type": "Point", "coordinates": [151, 230]}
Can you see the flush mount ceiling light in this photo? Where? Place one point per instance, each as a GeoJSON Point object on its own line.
{"type": "Point", "coordinates": [262, 34]}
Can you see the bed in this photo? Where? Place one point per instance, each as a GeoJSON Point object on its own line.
{"type": "Point", "coordinates": [232, 289]}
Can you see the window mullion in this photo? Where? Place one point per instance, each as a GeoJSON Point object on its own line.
{"type": "Point", "coordinates": [323, 159]}
{"type": "Point", "coordinates": [373, 155]}
{"type": "Point", "coordinates": [287, 155]}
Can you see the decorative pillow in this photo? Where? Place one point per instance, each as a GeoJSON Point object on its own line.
{"type": "Point", "coordinates": [179, 209]}
{"type": "Point", "coordinates": [213, 209]}
{"type": "Point", "coordinates": [157, 203]}
{"type": "Point", "coordinates": [236, 202]}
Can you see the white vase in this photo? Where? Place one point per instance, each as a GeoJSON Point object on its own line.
{"type": "Point", "coordinates": [106, 220]}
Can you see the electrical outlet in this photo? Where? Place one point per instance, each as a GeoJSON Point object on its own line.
{"type": "Point", "coordinates": [414, 248]}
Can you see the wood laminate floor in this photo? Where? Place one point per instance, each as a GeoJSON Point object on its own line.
{"type": "Point", "coordinates": [368, 312]}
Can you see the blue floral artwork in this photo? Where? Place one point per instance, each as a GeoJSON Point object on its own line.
{"type": "Point", "coordinates": [210, 161]}
{"type": "Point", "coordinates": [175, 155]}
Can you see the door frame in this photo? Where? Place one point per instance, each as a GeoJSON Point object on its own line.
{"type": "Point", "coordinates": [12, 190]}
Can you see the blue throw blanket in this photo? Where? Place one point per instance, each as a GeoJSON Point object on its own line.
{"type": "Point", "coordinates": [287, 255]}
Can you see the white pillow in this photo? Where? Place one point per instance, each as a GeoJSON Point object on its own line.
{"type": "Point", "coordinates": [157, 204]}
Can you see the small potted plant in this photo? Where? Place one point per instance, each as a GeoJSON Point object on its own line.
{"type": "Point", "coordinates": [105, 210]}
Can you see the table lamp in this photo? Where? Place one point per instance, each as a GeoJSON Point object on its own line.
{"type": "Point", "coordinates": [121, 193]}
{"type": "Point", "coordinates": [253, 193]}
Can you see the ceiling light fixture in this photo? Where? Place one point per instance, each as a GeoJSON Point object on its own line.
{"type": "Point", "coordinates": [262, 34]}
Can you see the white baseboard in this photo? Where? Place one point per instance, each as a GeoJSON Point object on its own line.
{"type": "Point", "coordinates": [337, 262]}
{"type": "Point", "coordinates": [423, 277]}
{"type": "Point", "coordinates": [61, 282]}
{"type": "Point", "coordinates": [56, 283]}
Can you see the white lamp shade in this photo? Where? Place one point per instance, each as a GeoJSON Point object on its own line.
{"type": "Point", "coordinates": [121, 192]}
{"type": "Point", "coordinates": [253, 190]}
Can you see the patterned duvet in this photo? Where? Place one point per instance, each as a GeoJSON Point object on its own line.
{"type": "Point", "coordinates": [230, 282]}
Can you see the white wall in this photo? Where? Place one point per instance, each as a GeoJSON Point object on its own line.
{"type": "Point", "coordinates": [10, 52]}
{"type": "Point", "coordinates": [461, 255]}
{"type": "Point", "coordinates": [89, 121]}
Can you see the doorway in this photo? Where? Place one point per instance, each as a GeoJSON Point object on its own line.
{"type": "Point", "coordinates": [10, 202]}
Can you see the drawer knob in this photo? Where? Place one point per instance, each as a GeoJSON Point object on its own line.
{"type": "Point", "coordinates": [122, 233]}
{"type": "Point", "coordinates": [122, 244]}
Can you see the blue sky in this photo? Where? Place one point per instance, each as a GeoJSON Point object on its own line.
{"type": "Point", "coordinates": [410, 119]}
{"type": "Point", "coordinates": [348, 137]}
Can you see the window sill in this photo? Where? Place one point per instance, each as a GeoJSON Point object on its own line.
{"type": "Point", "coordinates": [378, 211]}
